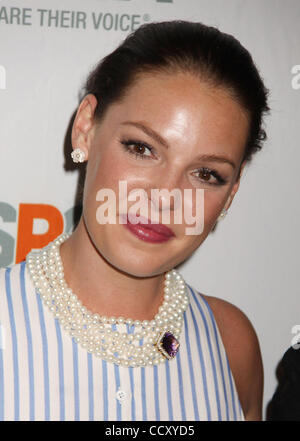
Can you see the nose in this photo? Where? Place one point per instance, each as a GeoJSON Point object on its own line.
{"type": "Point", "coordinates": [166, 194]}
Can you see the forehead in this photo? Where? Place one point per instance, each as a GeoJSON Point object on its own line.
{"type": "Point", "coordinates": [184, 106]}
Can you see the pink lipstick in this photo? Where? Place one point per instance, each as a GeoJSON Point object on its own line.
{"type": "Point", "coordinates": [147, 231]}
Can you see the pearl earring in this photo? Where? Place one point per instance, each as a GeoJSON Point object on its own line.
{"type": "Point", "coordinates": [78, 155]}
{"type": "Point", "coordinates": [223, 214]}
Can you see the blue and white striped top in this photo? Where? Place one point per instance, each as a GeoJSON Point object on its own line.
{"type": "Point", "coordinates": [45, 375]}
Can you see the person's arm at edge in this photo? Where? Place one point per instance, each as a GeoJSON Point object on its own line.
{"type": "Point", "coordinates": [244, 355]}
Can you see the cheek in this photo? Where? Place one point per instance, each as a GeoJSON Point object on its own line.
{"type": "Point", "coordinates": [206, 203]}
{"type": "Point", "coordinates": [104, 171]}
{"type": "Point", "coordinates": [110, 173]}
{"type": "Point", "coordinates": [213, 204]}
{"type": "Point", "coordinates": [205, 217]}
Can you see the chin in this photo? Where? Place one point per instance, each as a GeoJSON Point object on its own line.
{"type": "Point", "coordinates": [135, 266]}
{"type": "Point", "coordinates": [140, 259]}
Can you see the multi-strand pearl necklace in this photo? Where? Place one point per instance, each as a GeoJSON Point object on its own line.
{"type": "Point", "coordinates": [135, 343]}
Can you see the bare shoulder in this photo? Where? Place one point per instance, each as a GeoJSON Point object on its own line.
{"type": "Point", "coordinates": [243, 352]}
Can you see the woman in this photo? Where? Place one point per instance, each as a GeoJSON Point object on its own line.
{"type": "Point", "coordinates": [177, 105]}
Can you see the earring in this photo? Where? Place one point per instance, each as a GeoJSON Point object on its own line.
{"type": "Point", "coordinates": [78, 155]}
{"type": "Point", "coordinates": [223, 214]}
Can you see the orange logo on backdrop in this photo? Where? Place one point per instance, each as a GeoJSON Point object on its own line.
{"type": "Point", "coordinates": [26, 239]}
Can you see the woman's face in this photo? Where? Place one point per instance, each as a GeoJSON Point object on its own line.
{"type": "Point", "coordinates": [175, 119]}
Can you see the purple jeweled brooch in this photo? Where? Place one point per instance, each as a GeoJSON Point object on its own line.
{"type": "Point", "coordinates": [168, 345]}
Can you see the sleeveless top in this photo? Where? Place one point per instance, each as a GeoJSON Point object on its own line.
{"type": "Point", "coordinates": [45, 375]}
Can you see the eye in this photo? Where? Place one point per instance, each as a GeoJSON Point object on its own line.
{"type": "Point", "coordinates": [137, 148]}
{"type": "Point", "coordinates": [204, 175]}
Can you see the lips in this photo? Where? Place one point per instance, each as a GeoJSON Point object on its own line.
{"type": "Point", "coordinates": [146, 230]}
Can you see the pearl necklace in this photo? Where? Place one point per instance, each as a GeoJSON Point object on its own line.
{"type": "Point", "coordinates": [152, 342]}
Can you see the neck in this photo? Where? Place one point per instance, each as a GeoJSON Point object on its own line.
{"type": "Point", "coordinates": [103, 288]}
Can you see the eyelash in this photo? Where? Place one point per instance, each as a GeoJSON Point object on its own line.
{"type": "Point", "coordinates": [128, 142]}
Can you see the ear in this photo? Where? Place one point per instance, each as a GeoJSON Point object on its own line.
{"type": "Point", "coordinates": [84, 124]}
{"type": "Point", "coordinates": [235, 187]}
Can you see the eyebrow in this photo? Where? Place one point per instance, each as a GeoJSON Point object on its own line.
{"type": "Point", "coordinates": [150, 132]}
